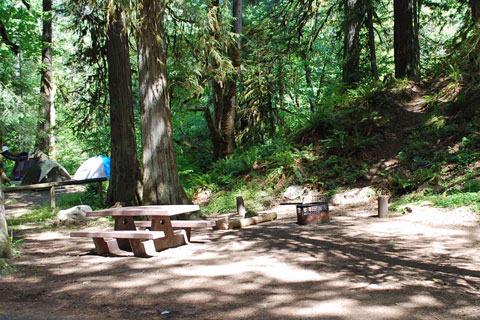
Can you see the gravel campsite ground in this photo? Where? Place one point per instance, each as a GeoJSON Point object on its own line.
{"type": "Point", "coordinates": [421, 265]}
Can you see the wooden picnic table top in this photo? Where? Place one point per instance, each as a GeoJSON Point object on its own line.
{"type": "Point", "coordinates": [157, 210]}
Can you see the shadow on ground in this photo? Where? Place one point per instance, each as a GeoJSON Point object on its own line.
{"type": "Point", "coordinates": [356, 267]}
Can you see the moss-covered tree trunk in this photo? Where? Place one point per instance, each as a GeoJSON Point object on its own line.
{"type": "Point", "coordinates": [5, 249]}
{"type": "Point", "coordinates": [46, 109]}
{"type": "Point", "coordinates": [125, 178]}
{"type": "Point", "coordinates": [225, 94]}
{"type": "Point", "coordinates": [161, 184]}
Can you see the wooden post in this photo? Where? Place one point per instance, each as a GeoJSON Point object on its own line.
{"type": "Point", "coordinates": [100, 193]}
{"type": "Point", "coordinates": [382, 206]}
{"type": "Point", "coordinates": [241, 207]}
{"type": "Point", "coordinates": [52, 198]}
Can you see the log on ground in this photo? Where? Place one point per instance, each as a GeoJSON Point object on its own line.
{"type": "Point", "coordinates": [240, 223]}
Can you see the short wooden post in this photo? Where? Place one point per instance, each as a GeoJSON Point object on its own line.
{"type": "Point", "coordinates": [52, 198]}
{"type": "Point", "coordinates": [241, 207]}
{"type": "Point", "coordinates": [100, 193]}
{"type": "Point", "coordinates": [382, 206]}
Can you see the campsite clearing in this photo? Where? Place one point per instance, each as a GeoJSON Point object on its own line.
{"type": "Point", "coordinates": [415, 266]}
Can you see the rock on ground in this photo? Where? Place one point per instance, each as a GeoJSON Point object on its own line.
{"type": "Point", "coordinates": [353, 197]}
{"type": "Point", "coordinates": [74, 214]}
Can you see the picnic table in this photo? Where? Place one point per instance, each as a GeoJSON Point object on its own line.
{"type": "Point", "coordinates": [162, 229]}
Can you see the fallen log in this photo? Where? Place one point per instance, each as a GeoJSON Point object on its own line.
{"type": "Point", "coordinates": [241, 223]}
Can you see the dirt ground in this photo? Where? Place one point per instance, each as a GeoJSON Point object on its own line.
{"type": "Point", "coordinates": [422, 265]}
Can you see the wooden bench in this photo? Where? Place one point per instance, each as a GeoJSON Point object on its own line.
{"type": "Point", "coordinates": [135, 238]}
{"type": "Point", "coordinates": [186, 225]}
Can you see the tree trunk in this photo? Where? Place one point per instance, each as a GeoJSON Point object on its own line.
{"type": "Point", "coordinates": [225, 95]}
{"type": "Point", "coordinates": [5, 249]}
{"type": "Point", "coordinates": [46, 84]}
{"type": "Point", "coordinates": [354, 16]}
{"type": "Point", "coordinates": [125, 174]}
{"type": "Point", "coordinates": [227, 123]}
{"type": "Point", "coordinates": [161, 184]}
{"type": "Point", "coordinates": [214, 137]}
{"type": "Point", "coordinates": [371, 41]}
{"type": "Point", "coordinates": [417, 7]}
{"type": "Point", "coordinates": [308, 80]}
{"type": "Point", "coordinates": [475, 9]}
{"type": "Point", "coordinates": [405, 43]}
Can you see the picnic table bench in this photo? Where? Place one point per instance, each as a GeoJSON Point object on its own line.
{"type": "Point", "coordinates": [135, 239]}
{"type": "Point", "coordinates": [125, 235]}
{"type": "Point", "coordinates": [186, 225]}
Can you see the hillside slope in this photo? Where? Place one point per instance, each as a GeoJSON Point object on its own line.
{"type": "Point", "coordinates": [403, 138]}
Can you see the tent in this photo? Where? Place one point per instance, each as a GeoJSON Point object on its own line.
{"type": "Point", "coordinates": [95, 167]}
{"type": "Point", "coordinates": [45, 171]}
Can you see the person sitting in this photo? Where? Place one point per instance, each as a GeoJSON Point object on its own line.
{"type": "Point", "coordinates": [22, 163]}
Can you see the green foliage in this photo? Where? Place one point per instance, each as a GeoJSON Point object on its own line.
{"type": "Point", "coordinates": [296, 122]}
{"type": "Point", "coordinates": [255, 196]}
{"type": "Point", "coordinates": [18, 123]}
{"type": "Point", "coordinates": [223, 173]}
{"type": "Point", "coordinates": [39, 214]}
{"type": "Point", "coordinates": [350, 122]}
{"type": "Point", "coordinates": [200, 36]}
{"type": "Point", "coordinates": [15, 245]}
{"type": "Point", "coordinates": [5, 268]}
{"type": "Point", "coordinates": [18, 80]}
{"type": "Point", "coordinates": [452, 200]}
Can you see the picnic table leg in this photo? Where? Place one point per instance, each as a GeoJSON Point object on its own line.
{"type": "Point", "coordinates": [138, 248]}
{"type": "Point", "coordinates": [124, 223]}
{"type": "Point", "coordinates": [188, 231]}
{"type": "Point", "coordinates": [171, 239]}
{"type": "Point", "coordinates": [52, 198]}
{"type": "Point", "coordinates": [101, 246]}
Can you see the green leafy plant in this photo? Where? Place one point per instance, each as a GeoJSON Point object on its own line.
{"type": "Point", "coordinates": [5, 268]}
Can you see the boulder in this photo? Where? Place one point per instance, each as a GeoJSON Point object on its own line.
{"type": "Point", "coordinates": [353, 196]}
{"type": "Point", "coordinates": [294, 192]}
{"type": "Point", "coordinates": [202, 196]}
{"type": "Point", "coordinates": [313, 196]}
{"type": "Point", "coordinates": [75, 214]}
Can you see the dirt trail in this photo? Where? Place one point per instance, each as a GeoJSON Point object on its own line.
{"type": "Point", "coordinates": [408, 117]}
{"type": "Point", "coordinates": [18, 203]}
{"type": "Point", "coordinates": [418, 266]}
